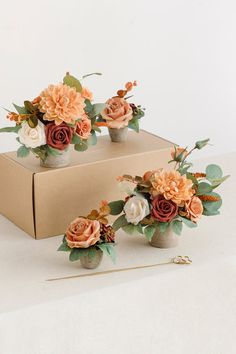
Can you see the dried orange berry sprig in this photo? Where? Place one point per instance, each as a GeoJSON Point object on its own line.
{"type": "Point", "coordinates": [128, 87]}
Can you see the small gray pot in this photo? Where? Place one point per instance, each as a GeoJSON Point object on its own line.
{"type": "Point", "coordinates": [118, 135]}
{"type": "Point", "coordinates": [92, 262]}
{"type": "Point", "coordinates": [57, 161]}
{"type": "Point", "coordinates": [167, 239]}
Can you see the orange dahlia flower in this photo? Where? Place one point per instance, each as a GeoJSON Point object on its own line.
{"type": "Point", "coordinates": [61, 103]}
{"type": "Point", "coordinates": [172, 185]}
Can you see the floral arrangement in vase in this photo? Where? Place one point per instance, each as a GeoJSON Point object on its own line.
{"type": "Point", "coordinates": [161, 201]}
{"type": "Point", "coordinates": [61, 115]}
{"type": "Point", "coordinates": [119, 114]}
{"type": "Point", "coordinates": [87, 238]}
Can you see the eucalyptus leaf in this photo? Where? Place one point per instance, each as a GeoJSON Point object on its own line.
{"type": "Point", "coordinates": [76, 139]}
{"type": "Point", "coordinates": [216, 182]}
{"type": "Point", "coordinates": [213, 172]}
{"type": "Point", "coordinates": [204, 188]}
{"type": "Point", "coordinates": [82, 146]}
{"type": "Point", "coordinates": [116, 207]}
{"type": "Point", "coordinates": [77, 253]}
{"type": "Point", "coordinates": [210, 213]}
{"type": "Point", "coordinates": [97, 109]}
{"type": "Point", "coordinates": [212, 206]}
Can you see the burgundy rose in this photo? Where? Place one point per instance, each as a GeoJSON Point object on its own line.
{"type": "Point", "coordinates": [163, 210]}
{"type": "Point", "coordinates": [58, 136]}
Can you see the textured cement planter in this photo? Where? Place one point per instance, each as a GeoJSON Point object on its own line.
{"type": "Point", "coordinates": [92, 262]}
{"type": "Point", "coordinates": [118, 135]}
{"type": "Point", "coordinates": [57, 161]}
{"type": "Point", "coordinates": [167, 239]}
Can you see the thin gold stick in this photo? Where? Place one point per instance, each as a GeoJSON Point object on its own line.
{"type": "Point", "coordinates": [175, 260]}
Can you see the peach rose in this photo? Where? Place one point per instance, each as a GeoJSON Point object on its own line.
{"type": "Point", "coordinates": [83, 128]}
{"type": "Point", "coordinates": [117, 113]}
{"type": "Point", "coordinates": [194, 209]}
{"type": "Point", "coordinates": [86, 94]}
{"type": "Point", "coordinates": [83, 233]}
{"type": "Point", "coordinates": [178, 151]}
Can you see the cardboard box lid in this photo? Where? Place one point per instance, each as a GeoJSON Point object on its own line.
{"type": "Point", "coordinates": [104, 150]}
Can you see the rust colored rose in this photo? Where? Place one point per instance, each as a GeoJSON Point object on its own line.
{"type": "Point", "coordinates": [194, 209]}
{"type": "Point", "coordinates": [163, 210]}
{"type": "Point", "coordinates": [118, 113]}
{"type": "Point", "coordinates": [83, 233]}
{"type": "Point", "coordinates": [58, 136]}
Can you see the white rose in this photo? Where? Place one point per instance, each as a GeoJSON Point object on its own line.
{"type": "Point", "coordinates": [136, 209]}
{"type": "Point", "coordinates": [32, 137]}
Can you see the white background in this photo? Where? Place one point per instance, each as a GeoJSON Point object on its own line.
{"type": "Point", "coordinates": [182, 53]}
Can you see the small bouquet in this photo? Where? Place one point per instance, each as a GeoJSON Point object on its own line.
{"type": "Point", "coordinates": [61, 115]}
{"type": "Point", "coordinates": [119, 114]}
{"type": "Point", "coordinates": [161, 201]}
{"type": "Point", "coordinates": [87, 238]}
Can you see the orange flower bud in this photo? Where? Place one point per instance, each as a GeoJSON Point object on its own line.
{"type": "Point", "coordinates": [129, 86]}
{"type": "Point", "coordinates": [121, 93]}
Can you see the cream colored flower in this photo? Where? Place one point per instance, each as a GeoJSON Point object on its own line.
{"type": "Point", "coordinates": [32, 137]}
{"type": "Point", "coordinates": [136, 209]}
{"type": "Point", "coordinates": [61, 103]}
{"type": "Point", "coordinates": [172, 185]}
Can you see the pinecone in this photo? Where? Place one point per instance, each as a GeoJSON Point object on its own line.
{"type": "Point", "coordinates": [107, 233]}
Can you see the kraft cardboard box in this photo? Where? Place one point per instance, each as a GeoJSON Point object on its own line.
{"type": "Point", "coordinates": [43, 201]}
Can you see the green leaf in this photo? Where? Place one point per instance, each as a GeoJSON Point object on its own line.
{"type": "Point", "coordinates": [33, 121]}
{"type": "Point", "coordinates": [77, 253]}
{"type": "Point", "coordinates": [109, 249]}
{"type": "Point", "coordinates": [204, 188]}
{"type": "Point", "coordinates": [92, 140]}
{"type": "Point", "coordinates": [120, 222]}
{"type": "Point", "coordinates": [163, 226]}
{"type": "Point", "coordinates": [97, 129]}
{"type": "Point", "coordinates": [52, 151]}
{"type": "Point", "coordinates": [82, 146]}
{"type": "Point", "coordinates": [10, 129]}
{"type": "Point", "coordinates": [210, 213]}
{"type": "Point", "coordinates": [97, 109]}
{"type": "Point", "coordinates": [216, 182]}
{"type": "Point", "coordinates": [188, 222]}
{"type": "Point", "coordinates": [23, 151]}
{"type": "Point", "coordinates": [201, 143]}
{"type": "Point", "coordinates": [116, 207]}
{"type": "Point", "coordinates": [134, 124]}
{"type": "Point", "coordinates": [139, 229]}
{"type": "Point", "coordinates": [130, 229]}
{"type": "Point", "coordinates": [177, 226]}
{"type": "Point", "coordinates": [29, 107]}
{"type": "Point", "coordinates": [64, 247]}
{"type": "Point", "coordinates": [149, 231]}
{"type": "Point", "coordinates": [139, 114]}
{"type": "Point", "coordinates": [213, 172]}
{"type": "Point", "coordinates": [192, 178]}
{"type": "Point", "coordinates": [76, 139]}
{"type": "Point", "coordinates": [20, 110]}
{"type": "Point", "coordinates": [71, 81]}
{"type": "Point", "coordinates": [88, 106]}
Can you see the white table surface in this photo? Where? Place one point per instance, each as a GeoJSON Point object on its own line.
{"type": "Point", "coordinates": [168, 309]}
